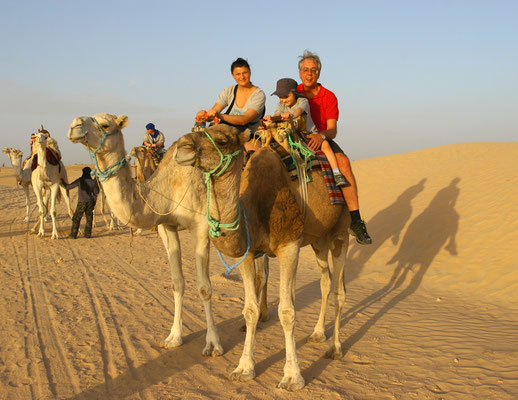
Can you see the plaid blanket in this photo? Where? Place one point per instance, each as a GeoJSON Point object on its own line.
{"type": "Point", "coordinates": [319, 161]}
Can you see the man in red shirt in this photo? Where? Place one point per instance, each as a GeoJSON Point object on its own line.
{"type": "Point", "coordinates": [324, 112]}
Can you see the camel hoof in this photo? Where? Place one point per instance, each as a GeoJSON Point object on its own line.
{"type": "Point", "coordinates": [213, 350]}
{"type": "Point", "coordinates": [334, 353]}
{"type": "Point", "coordinates": [317, 337]}
{"type": "Point", "coordinates": [292, 383]}
{"type": "Point", "coordinates": [241, 375]}
{"type": "Point", "coordinates": [171, 343]}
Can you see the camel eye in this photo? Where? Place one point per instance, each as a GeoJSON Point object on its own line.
{"type": "Point", "coordinates": [221, 140]}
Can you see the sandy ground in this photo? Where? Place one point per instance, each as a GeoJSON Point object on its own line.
{"type": "Point", "coordinates": [431, 310]}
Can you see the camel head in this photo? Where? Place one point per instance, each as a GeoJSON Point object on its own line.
{"type": "Point", "coordinates": [13, 154]}
{"type": "Point", "coordinates": [41, 138]}
{"type": "Point", "coordinates": [139, 152]}
{"type": "Point", "coordinates": [101, 129]}
{"type": "Point", "coordinates": [201, 148]}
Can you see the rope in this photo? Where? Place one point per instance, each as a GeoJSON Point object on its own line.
{"type": "Point", "coordinates": [174, 209]}
{"type": "Point", "coordinates": [214, 225]}
{"type": "Point", "coordinates": [230, 268]}
{"type": "Point", "coordinates": [112, 169]}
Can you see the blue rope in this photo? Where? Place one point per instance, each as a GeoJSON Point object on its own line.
{"type": "Point", "coordinates": [102, 175]}
{"type": "Point", "coordinates": [230, 268]}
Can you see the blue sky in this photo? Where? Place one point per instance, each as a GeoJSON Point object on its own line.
{"type": "Point", "coordinates": [408, 74]}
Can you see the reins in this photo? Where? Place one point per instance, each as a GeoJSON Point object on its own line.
{"type": "Point", "coordinates": [215, 226]}
{"type": "Point", "coordinates": [102, 175]}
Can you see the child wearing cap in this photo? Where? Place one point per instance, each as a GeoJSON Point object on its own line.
{"type": "Point", "coordinates": [293, 104]}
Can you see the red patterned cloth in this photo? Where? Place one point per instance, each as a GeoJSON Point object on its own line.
{"type": "Point", "coordinates": [52, 157]}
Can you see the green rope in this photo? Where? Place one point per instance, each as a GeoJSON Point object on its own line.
{"type": "Point", "coordinates": [214, 225]}
{"type": "Point", "coordinates": [303, 150]}
{"type": "Point", "coordinates": [102, 175]}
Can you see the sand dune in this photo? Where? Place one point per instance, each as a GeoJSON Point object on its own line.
{"type": "Point", "coordinates": [431, 310]}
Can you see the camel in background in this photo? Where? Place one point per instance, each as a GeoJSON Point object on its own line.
{"type": "Point", "coordinates": [46, 177]}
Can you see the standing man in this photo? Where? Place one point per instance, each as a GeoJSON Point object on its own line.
{"type": "Point", "coordinates": [324, 112]}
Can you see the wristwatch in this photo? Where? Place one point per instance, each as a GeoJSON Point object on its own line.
{"type": "Point", "coordinates": [323, 136]}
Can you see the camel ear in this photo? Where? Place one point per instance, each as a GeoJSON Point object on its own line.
{"type": "Point", "coordinates": [244, 136]}
{"type": "Point", "coordinates": [122, 121]}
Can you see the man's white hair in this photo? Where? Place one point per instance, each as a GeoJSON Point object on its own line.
{"type": "Point", "coordinates": [308, 55]}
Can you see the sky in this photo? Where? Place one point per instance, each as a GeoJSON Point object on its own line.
{"type": "Point", "coordinates": [408, 75]}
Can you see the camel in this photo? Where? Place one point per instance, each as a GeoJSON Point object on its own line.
{"type": "Point", "coordinates": [167, 199]}
{"type": "Point", "coordinates": [47, 178]}
{"type": "Point", "coordinates": [112, 224]}
{"type": "Point", "coordinates": [145, 164]}
{"type": "Point", "coordinates": [23, 176]}
{"type": "Point", "coordinates": [258, 209]}
{"type": "Point", "coordinates": [145, 167]}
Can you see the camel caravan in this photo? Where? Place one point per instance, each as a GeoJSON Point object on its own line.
{"type": "Point", "coordinates": [44, 170]}
{"type": "Point", "coordinates": [202, 185]}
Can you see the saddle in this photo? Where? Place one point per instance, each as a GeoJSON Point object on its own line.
{"type": "Point", "coordinates": [53, 158]}
{"type": "Point", "coordinates": [294, 138]}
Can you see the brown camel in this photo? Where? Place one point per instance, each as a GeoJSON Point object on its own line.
{"type": "Point", "coordinates": [258, 209]}
{"type": "Point", "coordinates": [145, 164]}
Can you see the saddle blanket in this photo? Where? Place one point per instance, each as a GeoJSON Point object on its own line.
{"type": "Point", "coordinates": [52, 157]}
{"type": "Point", "coordinates": [318, 161]}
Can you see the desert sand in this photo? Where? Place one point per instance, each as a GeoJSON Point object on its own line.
{"type": "Point", "coordinates": [431, 305]}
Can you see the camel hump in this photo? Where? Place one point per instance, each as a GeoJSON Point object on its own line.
{"type": "Point", "coordinates": [53, 145]}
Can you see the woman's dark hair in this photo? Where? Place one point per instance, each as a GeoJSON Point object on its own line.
{"type": "Point", "coordinates": [240, 62]}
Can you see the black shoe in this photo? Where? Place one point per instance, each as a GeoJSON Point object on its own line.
{"type": "Point", "coordinates": [71, 237]}
{"type": "Point", "coordinates": [359, 230]}
{"type": "Point", "coordinates": [340, 180]}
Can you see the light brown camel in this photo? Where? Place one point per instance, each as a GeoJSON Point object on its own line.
{"type": "Point", "coordinates": [47, 178]}
{"type": "Point", "coordinates": [23, 176]}
{"type": "Point", "coordinates": [145, 167]}
{"type": "Point", "coordinates": [258, 209]}
{"type": "Point", "coordinates": [168, 199]}
{"type": "Point", "coordinates": [145, 164]}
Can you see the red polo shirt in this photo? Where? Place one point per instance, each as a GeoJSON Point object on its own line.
{"type": "Point", "coordinates": [323, 106]}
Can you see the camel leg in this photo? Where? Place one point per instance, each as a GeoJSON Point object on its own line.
{"type": "Point", "coordinates": [288, 259]}
{"type": "Point", "coordinates": [53, 196]}
{"type": "Point", "coordinates": [46, 201]}
{"type": "Point", "coordinates": [262, 270]}
{"type": "Point", "coordinates": [42, 209]}
{"type": "Point", "coordinates": [245, 370]}
{"type": "Point", "coordinates": [27, 203]}
{"type": "Point", "coordinates": [169, 236]}
{"type": "Point", "coordinates": [339, 253]}
{"type": "Point", "coordinates": [213, 346]}
{"type": "Point", "coordinates": [66, 196]}
{"type": "Point", "coordinates": [321, 253]}
{"type": "Point", "coordinates": [261, 286]}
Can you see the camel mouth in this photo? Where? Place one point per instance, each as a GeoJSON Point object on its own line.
{"type": "Point", "coordinates": [75, 134]}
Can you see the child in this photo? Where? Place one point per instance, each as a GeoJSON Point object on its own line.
{"type": "Point", "coordinates": [293, 104]}
{"type": "Point", "coordinates": [87, 196]}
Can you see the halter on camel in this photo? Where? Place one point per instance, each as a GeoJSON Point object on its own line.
{"type": "Point", "coordinates": [214, 225]}
{"type": "Point", "coordinates": [112, 169]}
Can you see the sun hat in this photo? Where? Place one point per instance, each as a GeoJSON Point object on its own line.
{"type": "Point", "coordinates": [285, 86]}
